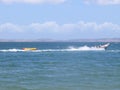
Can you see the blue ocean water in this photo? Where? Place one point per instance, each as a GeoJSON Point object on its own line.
{"type": "Point", "coordinates": [59, 66]}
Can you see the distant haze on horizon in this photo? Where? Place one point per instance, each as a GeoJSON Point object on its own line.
{"type": "Point", "coordinates": [59, 19]}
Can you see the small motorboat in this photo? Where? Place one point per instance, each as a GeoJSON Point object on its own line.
{"type": "Point", "coordinates": [104, 46]}
{"type": "Point", "coordinates": [29, 49]}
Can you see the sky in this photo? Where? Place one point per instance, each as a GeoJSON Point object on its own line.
{"type": "Point", "coordinates": [59, 19]}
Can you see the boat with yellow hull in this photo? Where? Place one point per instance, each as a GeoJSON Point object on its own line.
{"type": "Point", "coordinates": [29, 49]}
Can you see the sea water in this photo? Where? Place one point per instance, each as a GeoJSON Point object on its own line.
{"type": "Point", "coordinates": [59, 66]}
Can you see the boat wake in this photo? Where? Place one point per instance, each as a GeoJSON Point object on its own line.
{"type": "Point", "coordinates": [70, 48]}
{"type": "Point", "coordinates": [11, 50]}
{"type": "Point", "coordinates": [85, 48]}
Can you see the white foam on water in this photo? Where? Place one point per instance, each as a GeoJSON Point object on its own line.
{"type": "Point", "coordinates": [85, 48]}
{"type": "Point", "coordinates": [70, 48]}
{"type": "Point", "coordinates": [11, 50]}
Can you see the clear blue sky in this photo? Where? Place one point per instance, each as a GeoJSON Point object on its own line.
{"type": "Point", "coordinates": [59, 19]}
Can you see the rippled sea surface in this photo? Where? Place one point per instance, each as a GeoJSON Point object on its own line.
{"type": "Point", "coordinates": [59, 66]}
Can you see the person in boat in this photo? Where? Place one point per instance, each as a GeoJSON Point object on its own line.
{"type": "Point", "coordinates": [104, 46]}
{"type": "Point", "coordinates": [28, 49]}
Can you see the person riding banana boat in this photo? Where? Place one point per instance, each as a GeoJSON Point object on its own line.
{"type": "Point", "coordinates": [29, 49]}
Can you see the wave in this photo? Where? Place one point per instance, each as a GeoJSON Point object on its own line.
{"type": "Point", "coordinates": [11, 50]}
{"type": "Point", "coordinates": [85, 48]}
{"type": "Point", "coordinates": [70, 48]}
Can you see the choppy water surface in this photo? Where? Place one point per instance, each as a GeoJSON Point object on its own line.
{"type": "Point", "coordinates": [59, 66]}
